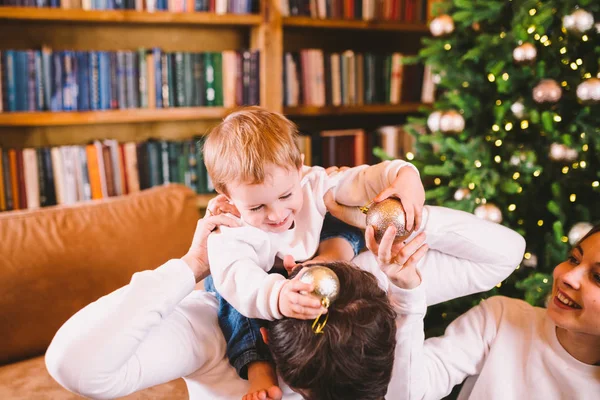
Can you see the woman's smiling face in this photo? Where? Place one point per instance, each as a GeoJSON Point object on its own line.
{"type": "Point", "coordinates": [575, 302]}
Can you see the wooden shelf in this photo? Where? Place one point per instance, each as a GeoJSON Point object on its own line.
{"type": "Point", "coordinates": [310, 111]}
{"type": "Point", "coordinates": [127, 16]}
{"type": "Point", "coordinates": [307, 22]}
{"type": "Point", "coordinates": [203, 199]}
{"type": "Point", "coordinates": [111, 116]}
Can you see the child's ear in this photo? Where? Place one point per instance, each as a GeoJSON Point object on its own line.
{"type": "Point", "coordinates": [265, 335]}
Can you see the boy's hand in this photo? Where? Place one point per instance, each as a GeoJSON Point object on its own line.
{"type": "Point", "coordinates": [409, 189]}
{"type": "Point", "coordinates": [296, 302]}
{"type": "Point", "coordinates": [398, 261]}
{"type": "Point", "coordinates": [350, 215]}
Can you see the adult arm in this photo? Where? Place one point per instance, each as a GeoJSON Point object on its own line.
{"type": "Point", "coordinates": [141, 335]}
{"type": "Point", "coordinates": [472, 255]}
{"type": "Point", "coordinates": [430, 369]}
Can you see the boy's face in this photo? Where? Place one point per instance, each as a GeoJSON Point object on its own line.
{"type": "Point", "coordinates": [272, 205]}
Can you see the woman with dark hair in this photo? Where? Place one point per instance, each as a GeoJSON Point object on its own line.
{"type": "Point", "coordinates": [507, 349]}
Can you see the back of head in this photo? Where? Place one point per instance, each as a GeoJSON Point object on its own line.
{"type": "Point", "coordinates": [354, 357]}
{"type": "Point", "coordinates": [239, 148]}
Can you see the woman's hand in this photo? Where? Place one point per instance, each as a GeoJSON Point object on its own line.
{"type": "Point", "coordinates": [398, 261]}
{"type": "Point", "coordinates": [197, 256]}
{"type": "Point", "coordinates": [409, 189]}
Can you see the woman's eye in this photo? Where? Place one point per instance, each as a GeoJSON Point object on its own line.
{"type": "Point", "coordinates": [256, 208]}
{"type": "Point", "coordinates": [572, 259]}
{"type": "Point", "coordinates": [287, 196]}
{"type": "Point", "coordinates": [597, 277]}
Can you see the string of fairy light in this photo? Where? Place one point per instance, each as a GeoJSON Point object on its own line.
{"type": "Point", "coordinates": [524, 123]}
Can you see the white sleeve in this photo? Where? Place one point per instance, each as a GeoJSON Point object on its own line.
{"type": "Point", "coordinates": [430, 369]}
{"type": "Point", "coordinates": [239, 259]}
{"type": "Point", "coordinates": [484, 253]}
{"type": "Point", "coordinates": [141, 335]}
{"type": "Point", "coordinates": [359, 185]}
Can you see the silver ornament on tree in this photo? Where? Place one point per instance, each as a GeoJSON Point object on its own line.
{"type": "Point", "coordinates": [525, 53]}
{"type": "Point", "coordinates": [578, 231]}
{"type": "Point", "coordinates": [489, 212]}
{"type": "Point", "coordinates": [462, 193]}
{"type": "Point", "coordinates": [530, 260]}
{"type": "Point", "coordinates": [433, 121]}
{"type": "Point", "coordinates": [562, 152]}
{"type": "Point", "coordinates": [588, 91]}
{"type": "Point", "coordinates": [547, 91]}
{"type": "Point", "coordinates": [442, 25]}
{"type": "Point", "coordinates": [452, 122]}
{"type": "Point", "coordinates": [385, 213]}
{"type": "Point", "coordinates": [518, 109]}
{"type": "Point", "coordinates": [578, 22]}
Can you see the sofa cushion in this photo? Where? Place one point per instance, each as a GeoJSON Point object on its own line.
{"type": "Point", "coordinates": [29, 380]}
{"type": "Point", "coordinates": [56, 260]}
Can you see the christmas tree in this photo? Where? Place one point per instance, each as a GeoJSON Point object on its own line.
{"type": "Point", "coordinates": [514, 133]}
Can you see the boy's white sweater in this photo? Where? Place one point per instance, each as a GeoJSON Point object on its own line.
{"type": "Point", "coordinates": [157, 328]}
{"type": "Point", "coordinates": [240, 257]}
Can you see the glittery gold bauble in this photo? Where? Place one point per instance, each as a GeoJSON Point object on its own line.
{"type": "Point", "coordinates": [547, 91]}
{"type": "Point", "coordinates": [489, 211]}
{"type": "Point", "coordinates": [385, 213]}
{"type": "Point", "coordinates": [325, 281]}
{"type": "Point", "coordinates": [442, 25]}
{"type": "Point", "coordinates": [525, 53]}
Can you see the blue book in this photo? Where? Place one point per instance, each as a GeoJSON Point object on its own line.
{"type": "Point", "coordinates": [156, 54]}
{"type": "Point", "coordinates": [10, 84]}
{"type": "Point", "coordinates": [83, 81]}
{"type": "Point", "coordinates": [46, 56]}
{"type": "Point", "coordinates": [94, 65]}
{"type": "Point", "coordinates": [56, 101]}
{"type": "Point", "coordinates": [21, 78]}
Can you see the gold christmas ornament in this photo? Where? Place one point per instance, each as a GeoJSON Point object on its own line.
{"type": "Point", "coordinates": [578, 231]}
{"type": "Point", "coordinates": [452, 122]}
{"type": "Point", "coordinates": [489, 212]}
{"type": "Point", "coordinates": [385, 213]}
{"type": "Point", "coordinates": [462, 193]}
{"type": "Point", "coordinates": [326, 287]}
{"type": "Point", "coordinates": [433, 121]}
{"type": "Point", "coordinates": [525, 53]}
{"type": "Point", "coordinates": [442, 25]}
{"type": "Point", "coordinates": [547, 91]}
{"type": "Point", "coordinates": [578, 22]}
{"type": "Point", "coordinates": [588, 91]}
{"type": "Point", "coordinates": [325, 281]}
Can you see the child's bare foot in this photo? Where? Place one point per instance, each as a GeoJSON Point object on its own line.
{"type": "Point", "coordinates": [263, 382]}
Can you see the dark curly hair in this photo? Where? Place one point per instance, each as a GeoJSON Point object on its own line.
{"type": "Point", "coordinates": [354, 357]}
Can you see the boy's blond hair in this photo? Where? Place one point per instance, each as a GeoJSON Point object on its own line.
{"type": "Point", "coordinates": [239, 148]}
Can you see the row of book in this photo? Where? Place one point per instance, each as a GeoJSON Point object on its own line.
{"type": "Point", "coordinates": [45, 80]}
{"type": "Point", "coordinates": [312, 77]}
{"type": "Point", "coordinates": [214, 6]}
{"type": "Point", "coordinates": [352, 147]}
{"type": "Point", "coordinates": [39, 177]}
{"type": "Point", "coordinates": [368, 10]}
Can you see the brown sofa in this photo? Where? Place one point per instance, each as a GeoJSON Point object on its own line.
{"type": "Point", "coordinates": [56, 260]}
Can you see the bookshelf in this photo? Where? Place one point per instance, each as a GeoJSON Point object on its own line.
{"type": "Point", "coordinates": [268, 32]}
{"type": "Point", "coordinates": [31, 119]}
{"type": "Point", "coordinates": [342, 24]}
{"type": "Point", "coordinates": [126, 17]}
